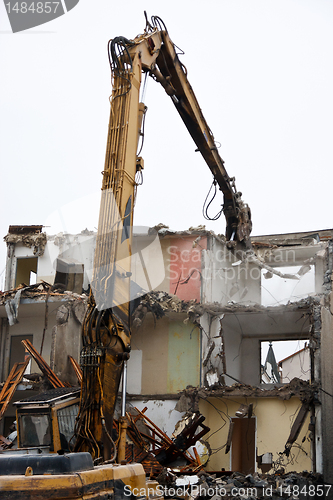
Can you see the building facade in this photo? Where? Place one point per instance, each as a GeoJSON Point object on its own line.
{"type": "Point", "coordinates": [203, 319]}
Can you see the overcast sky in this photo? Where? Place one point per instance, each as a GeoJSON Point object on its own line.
{"type": "Point", "coordinates": [262, 73]}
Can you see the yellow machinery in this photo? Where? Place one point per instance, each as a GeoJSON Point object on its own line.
{"type": "Point", "coordinates": [96, 468]}
{"type": "Point", "coordinates": [106, 331]}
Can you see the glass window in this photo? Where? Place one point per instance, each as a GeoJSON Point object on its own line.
{"type": "Point", "coordinates": [35, 430]}
{"type": "Point", "coordinates": [66, 422]}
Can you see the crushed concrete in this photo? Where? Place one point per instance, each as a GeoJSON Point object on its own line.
{"type": "Point", "coordinates": [39, 291]}
{"type": "Point", "coordinates": [163, 303]}
{"type": "Point", "coordinates": [297, 387]}
{"type": "Point", "coordinates": [37, 241]}
{"type": "Point", "coordinates": [225, 485]}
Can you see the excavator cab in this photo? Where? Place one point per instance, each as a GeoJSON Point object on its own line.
{"type": "Point", "coordinates": [47, 421]}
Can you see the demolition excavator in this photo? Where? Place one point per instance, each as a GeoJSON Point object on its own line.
{"type": "Point", "coordinates": [95, 465]}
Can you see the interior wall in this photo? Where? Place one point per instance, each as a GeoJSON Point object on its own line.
{"type": "Point", "coordinates": [274, 419]}
{"type": "Point", "coordinates": [233, 351]}
{"type": "Point", "coordinates": [170, 355]}
{"type": "Point", "coordinates": [250, 365]}
{"type": "Point", "coordinates": [31, 323]}
{"type": "Point", "coordinates": [162, 412]}
{"type": "Point", "coordinates": [226, 278]}
{"type": "Point", "coordinates": [78, 248]}
{"type": "Point", "coordinates": [23, 268]}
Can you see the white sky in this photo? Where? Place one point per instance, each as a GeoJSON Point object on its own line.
{"type": "Point", "coordinates": [261, 70]}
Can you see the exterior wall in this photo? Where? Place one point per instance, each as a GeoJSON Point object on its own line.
{"type": "Point", "coordinates": [274, 418]}
{"type": "Point", "coordinates": [297, 365]}
{"type": "Point", "coordinates": [170, 356]}
{"type": "Point", "coordinates": [326, 395]}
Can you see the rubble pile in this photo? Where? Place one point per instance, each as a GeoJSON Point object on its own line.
{"type": "Point", "coordinates": [225, 485]}
{"type": "Point", "coordinates": [159, 304]}
{"type": "Point", "coordinates": [296, 387]}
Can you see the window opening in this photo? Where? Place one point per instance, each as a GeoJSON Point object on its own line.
{"type": "Point", "coordinates": [26, 271]}
{"type": "Point", "coordinates": [283, 360]}
{"type": "Point", "coordinates": [276, 290]}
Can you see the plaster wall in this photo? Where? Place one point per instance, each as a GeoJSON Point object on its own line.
{"type": "Point", "coordinates": [170, 355]}
{"type": "Point", "coordinates": [226, 278]}
{"type": "Point", "coordinates": [163, 263]}
{"type": "Point", "coordinates": [274, 419]}
{"type": "Point", "coordinates": [250, 361]}
{"type": "Point", "coordinates": [184, 263]}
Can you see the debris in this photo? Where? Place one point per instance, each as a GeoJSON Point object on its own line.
{"type": "Point", "coordinates": [44, 367]}
{"type": "Point", "coordinates": [156, 229]}
{"type": "Point", "coordinates": [212, 377]}
{"type": "Point", "coordinates": [244, 410]}
{"type": "Point", "coordinates": [39, 291]}
{"type": "Point", "coordinates": [5, 443]}
{"type": "Point", "coordinates": [220, 485]}
{"type": "Point", "coordinates": [297, 426]}
{"type": "Point", "coordinates": [77, 368]}
{"type": "Point", "coordinates": [10, 385]}
{"type": "Point", "coordinates": [211, 346]}
{"type": "Point", "coordinates": [12, 307]}
{"type": "Point", "coordinates": [303, 270]}
{"type": "Point", "coordinates": [29, 236]}
{"type": "Point", "coordinates": [165, 450]}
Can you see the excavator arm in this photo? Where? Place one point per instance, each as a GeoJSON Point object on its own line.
{"type": "Point", "coordinates": [171, 74]}
{"type": "Point", "coordinates": [106, 328]}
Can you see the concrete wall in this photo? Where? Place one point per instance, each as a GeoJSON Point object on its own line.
{"type": "Point", "coordinates": [66, 340]}
{"type": "Point", "coordinates": [274, 419]}
{"type": "Point", "coordinates": [325, 396]}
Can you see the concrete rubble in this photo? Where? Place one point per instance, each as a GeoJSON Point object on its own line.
{"type": "Point", "coordinates": [225, 485]}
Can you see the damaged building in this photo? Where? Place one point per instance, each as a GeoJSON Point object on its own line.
{"type": "Point", "coordinates": [209, 325]}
